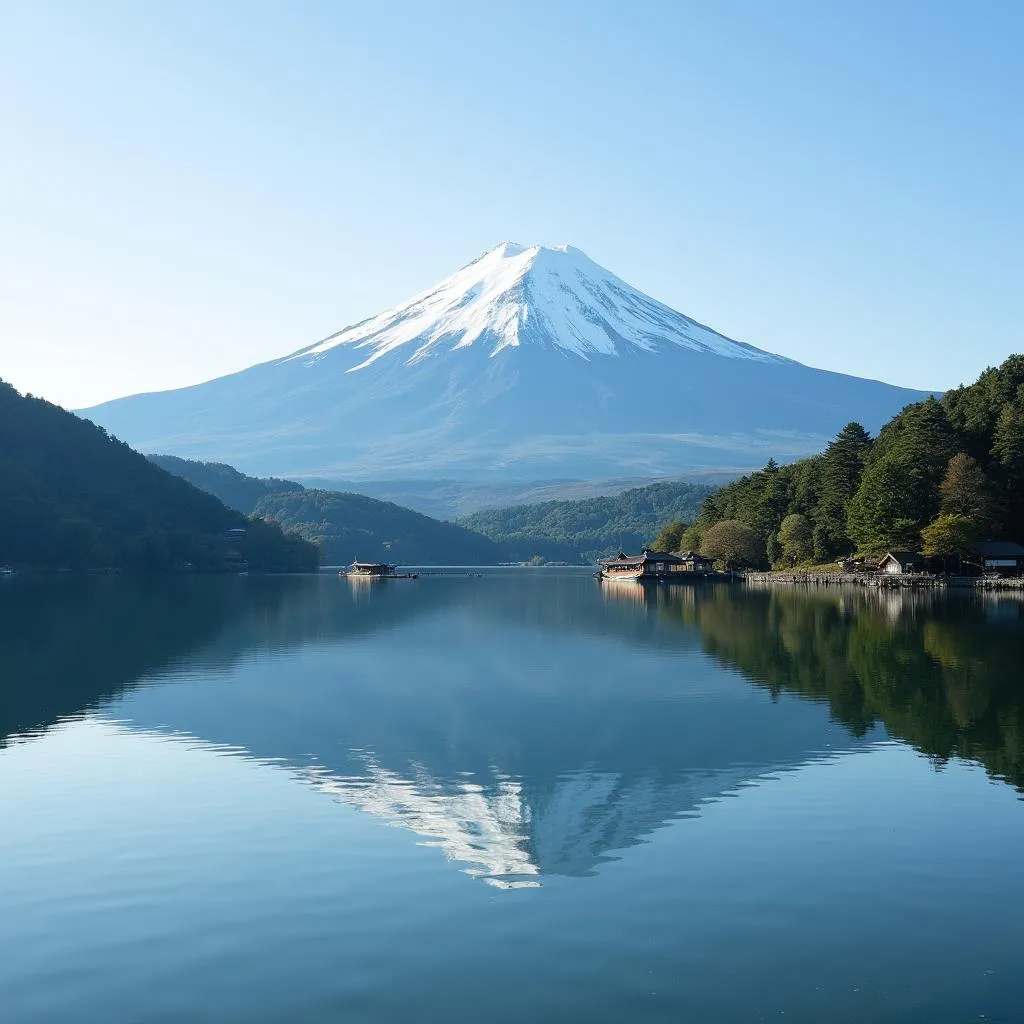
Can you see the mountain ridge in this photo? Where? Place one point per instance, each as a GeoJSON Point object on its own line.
{"type": "Point", "coordinates": [502, 291]}
{"type": "Point", "coordinates": [530, 363]}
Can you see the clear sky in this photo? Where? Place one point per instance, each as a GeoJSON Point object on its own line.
{"type": "Point", "coordinates": [190, 188]}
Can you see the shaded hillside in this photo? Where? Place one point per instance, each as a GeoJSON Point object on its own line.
{"type": "Point", "coordinates": [224, 482]}
{"type": "Point", "coordinates": [351, 526]}
{"type": "Point", "coordinates": [941, 475]}
{"type": "Point", "coordinates": [594, 526]}
{"type": "Point", "coordinates": [457, 499]}
{"type": "Point", "coordinates": [73, 497]}
{"type": "Point", "coordinates": [346, 525]}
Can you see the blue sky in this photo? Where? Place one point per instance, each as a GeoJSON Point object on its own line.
{"type": "Point", "coordinates": [187, 189]}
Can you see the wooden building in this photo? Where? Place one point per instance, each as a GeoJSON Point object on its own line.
{"type": "Point", "coordinates": [656, 566]}
{"type": "Point", "coordinates": [900, 562]}
{"type": "Point", "coordinates": [1001, 557]}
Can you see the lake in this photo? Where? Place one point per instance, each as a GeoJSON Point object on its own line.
{"type": "Point", "coordinates": [519, 797]}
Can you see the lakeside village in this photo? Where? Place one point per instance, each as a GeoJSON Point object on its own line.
{"type": "Point", "coordinates": [995, 565]}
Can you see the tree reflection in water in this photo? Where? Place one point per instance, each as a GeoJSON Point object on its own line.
{"type": "Point", "coordinates": [942, 671]}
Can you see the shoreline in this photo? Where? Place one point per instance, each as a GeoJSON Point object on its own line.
{"type": "Point", "coordinates": [882, 581]}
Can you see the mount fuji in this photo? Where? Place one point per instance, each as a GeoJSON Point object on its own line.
{"type": "Point", "coordinates": [535, 363]}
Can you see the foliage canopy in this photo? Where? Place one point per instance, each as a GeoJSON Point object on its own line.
{"type": "Point", "coordinates": [961, 455]}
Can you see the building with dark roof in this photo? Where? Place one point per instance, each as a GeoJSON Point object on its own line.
{"type": "Point", "coordinates": [896, 562]}
{"type": "Point", "coordinates": [1004, 557]}
{"type": "Point", "coordinates": [655, 565]}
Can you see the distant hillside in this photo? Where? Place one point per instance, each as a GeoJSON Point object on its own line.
{"type": "Point", "coordinates": [351, 526]}
{"type": "Point", "coordinates": [235, 489]}
{"type": "Point", "coordinates": [594, 526]}
{"type": "Point", "coordinates": [73, 497]}
{"type": "Point", "coordinates": [456, 499]}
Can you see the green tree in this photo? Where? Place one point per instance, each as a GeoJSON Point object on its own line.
{"type": "Point", "coordinates": [691, 539]}
{"type": "Point", "coordinates": [974, 411]}
{"type": "Point", "coordinates": [733, 543]}
{"type": "Point", "coordinates": [1008, 441]}
{"type": "Point", "coordinates": [964, 489]}
{"type": "Point", "coordinates": [842, 466]}
{"type": "Point", "coordinates": [796, 536]}
{"type": "Point", "coordinates": [671, 536]}
{"type": "Point", "coordinates": [885, 512]}
{"type": "Point", "coordinates": [922, 437]}
{"type": "Point", "coordinates": [1008, 453]}
{"type": "Point", "coordinates": [948, 535]}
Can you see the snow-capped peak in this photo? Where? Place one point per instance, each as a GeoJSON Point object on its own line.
{"type": "Point", "coordinates": [513, 295]}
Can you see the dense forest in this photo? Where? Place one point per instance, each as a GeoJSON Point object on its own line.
{"type": "Point", "coordinates": [72, 497]}
{"type": "Point", "coordinates": [558, 530]}
{"type": "Point", "coordinates": [234, 489]}
{"type": "Point", "coordinates": [351, 526]}
{"type": "Point", "coordinates": [593, 527]}
{"type": "Point", "coordinates": [940, 476]}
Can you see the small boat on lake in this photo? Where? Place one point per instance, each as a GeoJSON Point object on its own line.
{"type": "Point", "coordinates": [656, 567]}
{"type": "Point", "coordinates": [376, 571]}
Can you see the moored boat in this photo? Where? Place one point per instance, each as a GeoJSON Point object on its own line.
{"type": "Point", "coordinates": [375, 571]}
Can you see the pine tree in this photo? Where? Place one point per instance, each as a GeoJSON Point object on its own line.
{"type": "Point", "coordinates": [885, 511]}
{"type": "Point", "coordinates": [1008, 443]}
{"type": "Point", "coordinates": [796, 538]}
{"type": "Point", "coordinates": [948, 535]}
{"type": "Point", "coordinates": [842, 466]}
{"type": "Point", "coordinates": [964, 490]}
{"type": "Point", "coordinates": [1008, 453]}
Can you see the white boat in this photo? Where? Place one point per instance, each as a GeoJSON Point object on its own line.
{"type": "Point", "coordinates": [375, 571]}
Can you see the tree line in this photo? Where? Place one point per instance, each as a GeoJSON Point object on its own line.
{"type": "Point", "coordinates": [590, 528]}
{"type": "Point", "coordinates": [940, 476]}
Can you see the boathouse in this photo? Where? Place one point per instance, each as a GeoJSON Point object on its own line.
{"type": "Point", "coordinates": [693, 562]}
{"type": "Point", "coordinates": [1001, 556]}
{"type": "Point", "coordinates": [898, 562]}
{"type": "Point", "coordinates": [358, 568]}
{"type": "Point", "coordinates": [654, 565]}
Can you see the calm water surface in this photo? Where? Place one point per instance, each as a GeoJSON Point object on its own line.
{"type": "Point", "coordinates": [515, 798]}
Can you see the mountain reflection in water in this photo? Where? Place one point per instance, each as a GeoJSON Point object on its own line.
{"type": "Point", "coordinates": [527, 724]}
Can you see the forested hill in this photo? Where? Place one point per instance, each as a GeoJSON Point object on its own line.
{"type": "Point", "coordinates": [352, 526]}
{"type": "Point", "coordinates": [594, 527]}
{"type": "Point", "coordinates": [235, 489]}
{"type": "Point", "coordinates": [347, 526]}
{"type": "Point", "coordinates": [73, 497]}
{"type": "Point", "coordinates": [941, 475]}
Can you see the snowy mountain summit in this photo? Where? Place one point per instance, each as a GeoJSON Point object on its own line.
{"type": "Point", "coordinates": [514, 295]}
{"type": "Point", "coordinates": [527, 364]}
